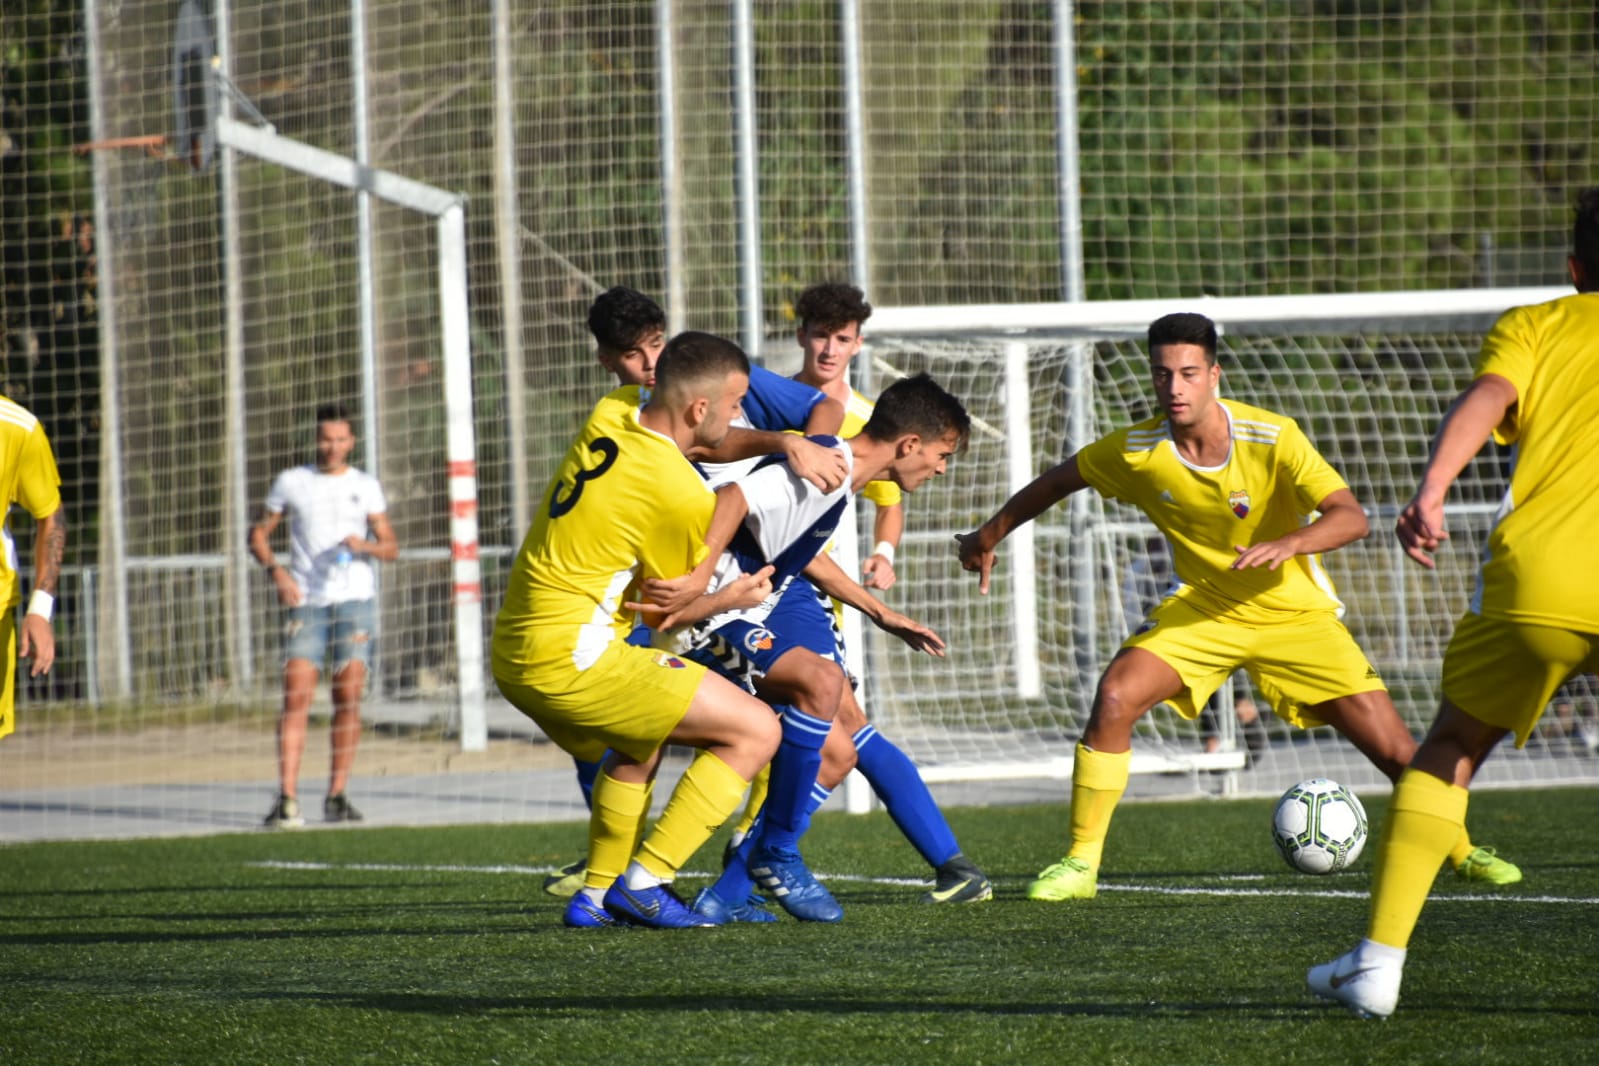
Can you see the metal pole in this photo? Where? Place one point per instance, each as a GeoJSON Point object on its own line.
{"type": "Point", "coordinates": [857, 793]}
{"type": "Point", "coordinates": [461, 446]}
{"type": "Point", "coordinates": [113, 516]}
{"type": "Point", "coordinates": [676, 282]}
{"type": "Point", "coordinates": [1068, 184]}
{"type": "Point", "coordinates": [363, 236]}
{"type": "Point", "coordinates": [508, 244]}
{"type": "Point", "coordinates": [849, 17]}
{"type": "Point", "coordinates": [1018, 472]}
{"type": "Point", "coordinates": [751, 328]}
{"type": "Point", "coordinates": [236, 519]}
{"type": "Point", "coordinates": [1080, 378]}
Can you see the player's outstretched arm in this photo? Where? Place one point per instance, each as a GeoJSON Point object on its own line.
{"type": "Point", "coordinates": [976, 548]}
{"type": "Point", "coordinates": [828, 576]}
{"type": "Point", "coordinates": [1484, 405]}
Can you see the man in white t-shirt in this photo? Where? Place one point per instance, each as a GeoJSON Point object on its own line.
{"type": "Point", "coordinates": [337, 525]}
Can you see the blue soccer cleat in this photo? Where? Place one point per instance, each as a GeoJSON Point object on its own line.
{"type": "Point", "coordinates": [583, 913]}
{"type": "Point", "coordinates": [709, 905]}
{"type": "Point", "coordinates": [785, 876]}
{"type": "Point", "coordinates": [657, 907]}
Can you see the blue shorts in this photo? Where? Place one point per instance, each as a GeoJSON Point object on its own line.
{"type": "Point", "coordinates": [743, 652]}
{"type": "Point", "coordinates": [345, 629]}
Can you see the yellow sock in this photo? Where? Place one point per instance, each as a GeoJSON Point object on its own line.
{"type": "Point", "coordinates": [757, 800]}
{"type": "Point", "coordinates": [1463, 847]}
{"type": "Point", "coordinates": [708, 793]}
{"type": "Point", "coordinates": [643, 815]}
{"type": "Point", "coordinates": [616, 822]}
{"type": "Point", "coordinates": [1426, 818]}
{"type": "Point", "coordinates": [1098, 781]}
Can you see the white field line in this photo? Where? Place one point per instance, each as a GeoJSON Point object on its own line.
{"type": "Point", "coordinates": [911, 882]}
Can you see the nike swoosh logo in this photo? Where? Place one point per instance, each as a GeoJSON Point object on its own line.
{"type": "Point", "coordinates": [1340, 980]}
{"type": "Point", "coordinates": [649, 910]}
{"type": "Point", "coordinates": [949, 893]}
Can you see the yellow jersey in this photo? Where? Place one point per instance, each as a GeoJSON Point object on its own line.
{"type": "Point", "coordinates": [856, 414]}
{"type": "Point", "coordinates": [624, 504]}
{"type": "Point", "coordinates": [1539, 566]}
{"type": "Point", "coordinates": [28, 477]}
{"type": "Point", "coordinates": [1270, 484]}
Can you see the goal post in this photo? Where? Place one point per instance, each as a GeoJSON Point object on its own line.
{"type": "Point", "coordinates": [1366, 375]}
{"type": "Point", "coordinates": [448, 211]}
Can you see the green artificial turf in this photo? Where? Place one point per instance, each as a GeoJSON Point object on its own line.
{"type": "Point", "coordinates": [438, 946]}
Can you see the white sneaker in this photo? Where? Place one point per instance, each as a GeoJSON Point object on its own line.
{"type": "Point", "coordinates": [1364, 980]}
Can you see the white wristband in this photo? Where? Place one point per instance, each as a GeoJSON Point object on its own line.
{"type": "Point", "coordinates": [886, 550]}
{"type": "Point", "coordinates": [42, 604]}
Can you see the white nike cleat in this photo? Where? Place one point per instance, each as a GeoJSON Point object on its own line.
{"type": "Point", "coordinates": [1366, 980]}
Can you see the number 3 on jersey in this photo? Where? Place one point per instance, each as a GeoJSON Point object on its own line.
{"type": "Point", "coordinates": [607, 450]}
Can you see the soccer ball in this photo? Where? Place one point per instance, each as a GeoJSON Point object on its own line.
{"type": "Point", "coordinates": [1319, 826]}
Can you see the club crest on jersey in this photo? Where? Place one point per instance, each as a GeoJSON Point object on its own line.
{"type": "Point", "coordinates": [758, 640]}
{"type": "Point", "coordinates": [1239, 502]}
{"type": "Point", "coordinates": [671, 662]}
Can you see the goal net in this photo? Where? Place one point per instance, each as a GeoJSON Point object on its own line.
{"type": "Point", "coordinates": [1366, 377]}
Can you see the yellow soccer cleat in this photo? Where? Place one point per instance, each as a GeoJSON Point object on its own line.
{"type": "Point", "coordinates": [1483, 865]}
{"type": "Point", "coordinates": [1068, 879]}
{"type": "Point", "coordinates": [564, 882]}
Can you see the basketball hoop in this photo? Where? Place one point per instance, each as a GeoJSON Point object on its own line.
{"type": "Point", "coordinates": [196, 75]}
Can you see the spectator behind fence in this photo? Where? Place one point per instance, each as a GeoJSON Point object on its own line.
{"type": "Point", "coordinates": [338, 523]}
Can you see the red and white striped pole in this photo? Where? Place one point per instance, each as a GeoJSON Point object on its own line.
{"type": "Point", "coordinates": [466, 572]}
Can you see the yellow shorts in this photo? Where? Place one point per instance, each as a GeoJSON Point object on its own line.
{"type": "Point", "coordinates": [1505, 673]}
{"type": "Point", "coordinates": [630, 699]}
{"type": "Point", "coordinates": [1296, 665]}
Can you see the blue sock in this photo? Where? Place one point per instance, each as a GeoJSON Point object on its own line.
{"type": "Point", "coordinates": [819, 796]}
{"type": "Point", "coordinates": [794, 768]}
{"type": "Point", "coordinates": [735, 884]}
{"type": "Point", "coordinates": [586, 773]}
{"type": "Point", "coordinates": [899, 785]}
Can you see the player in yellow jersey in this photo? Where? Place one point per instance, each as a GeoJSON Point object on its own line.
{"type": "Point", "coordinates": [28, 477]}
{"type": "Point", "coordinates": [625, 505]}
{"type": "Point", "coordinates": [1534, 618]}
{"type": "Point", "coordinates": [629, 332]}
{"type": "Point", "coordinates": [1233, 488]}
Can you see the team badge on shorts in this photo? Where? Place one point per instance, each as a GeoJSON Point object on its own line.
{"type": "Point", "coordinates": [758, 640]}
{"type": "Point", "coordinates": [1239, 502]}
{"type": "Point", "coordinates": [671, 662]}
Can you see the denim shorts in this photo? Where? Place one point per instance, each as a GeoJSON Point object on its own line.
{"type": "Point", "coordinates": [345, 629]}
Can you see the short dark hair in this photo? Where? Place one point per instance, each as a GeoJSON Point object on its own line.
{"type": "Point", "coordinates": [619, 316]}
{"type": "Point", "coordinates": [693, 360]}
{"type": "Point", "coordinates": [832, 304]}
{"type": "Point", "coordinates": [333, 412]}
{"type": "Point", "coordinates": [1183, 327]}
{"type": "Point", "coordinates": [921, 406]}
{"type": "Point", "coordinates": [1585, 233]}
